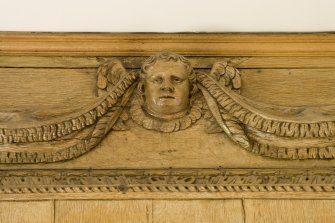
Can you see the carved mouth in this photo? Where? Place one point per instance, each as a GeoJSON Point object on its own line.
{"type": "Point", "coordinates": [166, 97]}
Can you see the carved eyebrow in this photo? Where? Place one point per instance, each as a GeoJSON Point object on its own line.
{"type": "Point", "coordinates": [153, 76]}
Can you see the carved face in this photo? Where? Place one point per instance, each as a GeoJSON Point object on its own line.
{"type": "Point", "coordinates": [167, 88]}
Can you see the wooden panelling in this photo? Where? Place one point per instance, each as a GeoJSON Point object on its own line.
{"type": "Point", "coordinates": [289, 211]}
{"type": "Point", "coordinates": [198, 211]}
{"type": "Point", "coordinates": [169, 211]}
{"type": "Point", "coordinates": [26, 212]}
{"type": "Point", "coordinates": [43, 76]}
{"type": "Point", "coordinates": [103, 211]}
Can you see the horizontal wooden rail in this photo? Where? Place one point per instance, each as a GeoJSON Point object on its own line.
{"type": "Point", "coordinates": [104, 44]}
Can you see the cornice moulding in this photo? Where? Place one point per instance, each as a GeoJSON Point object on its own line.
{"type": "Point", "coordinates": [202, 44]}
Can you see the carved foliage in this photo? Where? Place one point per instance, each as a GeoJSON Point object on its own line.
{"type": "Point", "coordinates": [100, 181]}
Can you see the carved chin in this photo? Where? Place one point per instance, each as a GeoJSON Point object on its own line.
{"type": "Point", "coordinates": [168, 105]}
{"type": "Point", "coordinates": [167, 112]}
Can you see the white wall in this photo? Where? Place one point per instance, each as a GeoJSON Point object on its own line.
{"type": "Point", "coordinates": [168, 15]}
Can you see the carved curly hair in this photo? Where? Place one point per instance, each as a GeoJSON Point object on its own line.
{"type": "Point", "coordinates": [166, 57]}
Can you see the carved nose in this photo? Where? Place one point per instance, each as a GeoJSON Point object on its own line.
{"type": "Point", "coordinates": [167, 88]}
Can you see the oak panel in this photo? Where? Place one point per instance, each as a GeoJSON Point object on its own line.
{"type": "Point", "coordinates": [103, 211]}
{"type": "Point", "coordinates": [290, 211]}
{"type": "Point", "coordinates": [197, 211]}
{"type": "Point", "coordinates": [26, 212]}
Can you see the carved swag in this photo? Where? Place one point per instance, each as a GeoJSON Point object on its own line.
{"type": "Point", "coordinates": [168, 95]}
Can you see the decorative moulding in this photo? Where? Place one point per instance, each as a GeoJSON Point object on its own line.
{"type": "Point", "coordinates": [199, 115]}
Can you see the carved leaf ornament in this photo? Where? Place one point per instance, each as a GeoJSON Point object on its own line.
{"type": "Point", "coordinates": [266, 130]}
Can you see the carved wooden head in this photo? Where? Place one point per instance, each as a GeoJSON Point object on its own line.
{"type": "Point", "coordinates": [167, 81]}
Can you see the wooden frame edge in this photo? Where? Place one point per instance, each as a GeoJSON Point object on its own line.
{"type": "Point", "coordinates": [201, 44]}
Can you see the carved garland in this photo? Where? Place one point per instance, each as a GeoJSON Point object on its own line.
{"type": "Point", "coordinates": [101, 114]}
{"type": "Point", "coordinates": [266, 126]}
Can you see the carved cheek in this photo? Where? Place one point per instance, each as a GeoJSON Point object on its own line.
{"type": "Point", "coordinates": [151, 92]}
{"type": "Point", "coordinates": [184, 90]}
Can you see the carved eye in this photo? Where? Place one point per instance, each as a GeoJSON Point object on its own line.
{"type": "Point", "coordinates": [176, 79]}
{"type": "Point", "coordinates": [158, 80]}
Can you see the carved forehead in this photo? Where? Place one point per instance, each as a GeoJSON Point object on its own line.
{"type": "Point", "coordinates": [168, 67]}
{"type": "Point", "coordinates": [166, 57]}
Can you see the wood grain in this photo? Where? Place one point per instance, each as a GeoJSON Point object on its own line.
{"type": "Point", "coordinates": [26, 212]}
{"type": "Point", "coordinates": [186, 44]}
{"type": "Point", "coordinates": [197, 211]}
{"type": "Point", "coordinates": [136, 62]}
{"type": "Point", "coordinates": [289, 211]}
{"type": "Point", "coordinates": [289, 87]}
{"type": "Point", "coordinates": [39, 89]}
{"type": "Point", "coordinates": [103, 211]}
{"type": "Point", "coordinates": [169, 196]}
